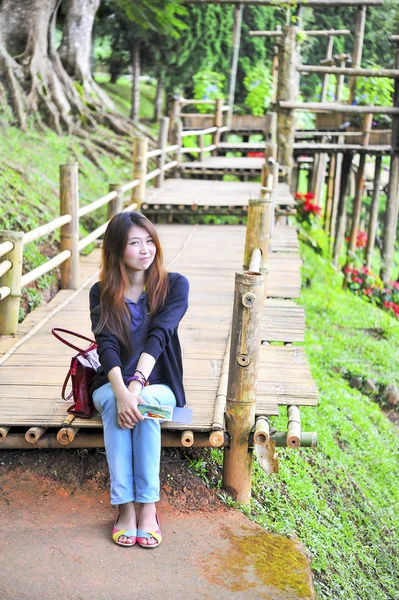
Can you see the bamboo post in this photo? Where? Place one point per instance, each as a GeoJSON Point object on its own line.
{"type": "Point", "coordinates": [201, 146]}
{"type": "Point", "coordinates": [162, 141]}
{"type": "Point", "coordinates": [187, 438]}
{"type": "Point", "coordinates": [373, 221]}
{"type": "Point", "coordinates": [3, 433]}
{"type": "Point", "coordinates": [294, 427]}
{"type": "Point", "coordinates": [241, 392]}
{"type": "Point", "coordinates": [140, 149]}
{"type": "Point", "coordinates": [308, 439]}
{"type": "Point", "coordinates": [66, 435]}
{"type": "Point", "coordinates": [69, 233]}
{"type": "Point", "coordinates": [258, 231]}
{"type": "Point", "coordinates": [287, 90]}
{"type": "Point", "coordinates": [115, 206]}
{"type": "Point", "coordinates": [35, 433]}
{"type": "Point", "coordinates": [178, 139]}
{"type": "Point", "coordinates": [358, 48]}
{"type": "Point", "coordinates": [275, 70]}
{"type": "Point", "coordinates": [262, 431]}
{"type": "Point", "coordinates": [235, 50]}
{"type": "Point", "coordinates": [330, 193]}
{"type": "Point", "coordinates": [174, 116]}
{"type": "Point", "coordinates": [341, 213]}
{"type": "Point", "coordinates": [357, 202]}
{"type": "Point", "coordinates": [218, 124]}
{"type": "Point", "coordinates": [9, 306]}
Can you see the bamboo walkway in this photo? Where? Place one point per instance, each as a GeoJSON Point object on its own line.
{"type": "Point", "coordinates": [33, 365]}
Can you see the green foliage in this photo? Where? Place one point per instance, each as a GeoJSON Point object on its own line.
{"type": "Point", "coordinates": [259, 85]}
{"type": "Point", "coordinates": [208, 85]}
{"type": "Point", "coordinates": [161, 16]}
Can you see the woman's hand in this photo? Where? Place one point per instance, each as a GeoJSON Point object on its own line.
{"type": "Point", "coordinates": [128, 413]}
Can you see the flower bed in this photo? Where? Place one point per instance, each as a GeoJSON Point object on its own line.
{"type": "Point", "coordinates": [369, 287]}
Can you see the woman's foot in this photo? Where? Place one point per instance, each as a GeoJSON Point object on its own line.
{"type": "Point", "coordinates": [126, 521]}
{"type": "Point", "coordinates": [148, 523]}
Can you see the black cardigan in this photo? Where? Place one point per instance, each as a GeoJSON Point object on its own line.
{"type": "Point", "coordinates": [162, 338]}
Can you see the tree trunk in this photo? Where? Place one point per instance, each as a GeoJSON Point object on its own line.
{"type": "Point", "coordinates": [33, 80]}
{"type": "Point", "coordinates": [135, 109]}
{"type": "Point", "coordinates": [158, 106]}
{"type": "Point", "coordinates": [75, 47]}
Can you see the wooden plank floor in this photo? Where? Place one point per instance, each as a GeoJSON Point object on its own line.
{"type": "Point", "coordinates": [32, 375]}
{"type": "Point", "coordinates": [200, 193]}
{"type": "Point", "coordinates": [225, 164]}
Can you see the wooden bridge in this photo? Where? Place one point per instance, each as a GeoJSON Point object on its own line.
{"type": "Point", "coordinates": [33, 363]}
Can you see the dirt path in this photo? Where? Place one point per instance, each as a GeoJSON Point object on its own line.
{"type": "Point", "coordinates": [55, 540]}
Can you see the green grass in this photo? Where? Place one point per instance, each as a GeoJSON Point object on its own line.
{"type": "Point", "coordinates": [341, 499]}
{"type": "Point", "coordinates": [29, 187]}
{"type": "Point", "coordinates": [121, 92]}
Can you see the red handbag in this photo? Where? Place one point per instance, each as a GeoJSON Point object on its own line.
{"type": "Point", "coordinates": [82, 370]}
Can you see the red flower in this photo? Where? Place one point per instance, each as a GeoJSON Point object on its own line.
{"type": "Point", "coordinates": [368, 292]}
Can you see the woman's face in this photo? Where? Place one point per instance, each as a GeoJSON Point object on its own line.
{"type": "Point", "coordinates": [140, 249]}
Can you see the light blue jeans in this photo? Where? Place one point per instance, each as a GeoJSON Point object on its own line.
{"type": "Point", "coordinates": [133, 455]}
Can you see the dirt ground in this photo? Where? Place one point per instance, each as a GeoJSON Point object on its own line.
{"type": "Point", "coordinates": [55, 524]}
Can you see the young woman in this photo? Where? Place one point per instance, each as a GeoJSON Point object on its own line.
{"type": "Point", "coordinates": [135, 309]}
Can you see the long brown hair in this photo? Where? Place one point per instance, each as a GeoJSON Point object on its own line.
{"type": "Point", "coordinates": [114, 314]}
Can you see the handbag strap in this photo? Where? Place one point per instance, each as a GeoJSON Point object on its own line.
{"type": "Point", "coordinates": [64, 386]}
{"type": "Point", "coordinates": [55, 333]}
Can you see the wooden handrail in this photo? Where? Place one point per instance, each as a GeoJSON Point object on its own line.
{"type": "Point", "coordinates": [92, 236]}
{"type": "Point", "coordinates": [45, 267]}
{"type": "Point", "coordinates": [37, 233]}
{"type": "Point", "coordinates": [4, 292]}
{"type": "Point", "coordinates": [198, 131]}
{"type": "Point", "coordinates": [85, 210]}
{"type": "Point", "coordinates": [5, 266]}
{"type": "Point", "coordinates": [5, 248]}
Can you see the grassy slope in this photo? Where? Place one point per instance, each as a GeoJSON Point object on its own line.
{"type": "Point", "coordinates": [341, 500]}
{"type": "Point", "coordinates": [29, 184]}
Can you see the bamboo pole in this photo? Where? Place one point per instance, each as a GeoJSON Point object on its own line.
{"type": "Point", "coordinates": [69, 234]}
{"type": "Point", "coordinates": [358, 48]}
{"type": "Point", "coordinates": [262, 431]}
{"type": "Point", "coordinates": [115, 206]}
{"type": "Point", "coordinates": [373, 221]}
{"type": "Point", "coordinates": [275, 69]}
{"type": "Point", "coordinates": [258, 231]}
{"type": "Point", "coordinates": [9, 305]}
{"type": "Point", "coordinates": [178, 140]}
{"type": "Point", "coordinates": [187, 438]}
{"type": "Point", "coordinates": [140, 148]}
{"type": "Point", "coordinates": [66, 435]}
{"type": "Point", "coordinates": [174, 116]}
{"type": "Point", "coordinates": [330, 193]}
{"type": "Point", "coordinates": [5, 248]}
{"type": "Point", "coordinates": [305, 3]}
{"type": "Point", "coordinates": [218, 123]}
{"type": "Point", "coordinates": [37, 233]}
{"type": "Point", "coordinates": [287, 92]}
{"type": "Point", "coordinates": [218, 423]}
{"type": "Point", "coordinates": [338, 108]}
{"type": "Point", "coordinates": [308, 439]}
{"type": "Point", "coordinates": [169, 439]}
{"type": "Point", "coordinates": [235, 50]}
{"type": "Point", "coordinates": [5, 266]}
{"type": "Point", "coordinates": [162, 142]}
{"type": "Point", "coordinates": [241, 393]}
{"type": "Point", "coordinates": [3, 433]}
{"type": "Point", "coordinates": [34, 433]}
{"type": "Point", "coordinates": [350, 71]}
{"type": "Point", "coordinates": [310, 33]}
{"type": "Point", "coordinates": [357, 202]}
{"type": "Point", "coordinates": [294, 427]}
{"type": "Point", "coordinates": [341, 216]}
{"type": "Point", "coordinates": [45, 267]}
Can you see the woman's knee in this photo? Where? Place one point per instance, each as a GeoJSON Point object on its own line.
{"type": "Point", "coordinates": [158, 394]}
{"type": "Point", "coordinates": [104, 398]}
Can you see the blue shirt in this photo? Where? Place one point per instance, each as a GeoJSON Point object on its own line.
{"type": "Point", "coordinates": [140, 318]}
